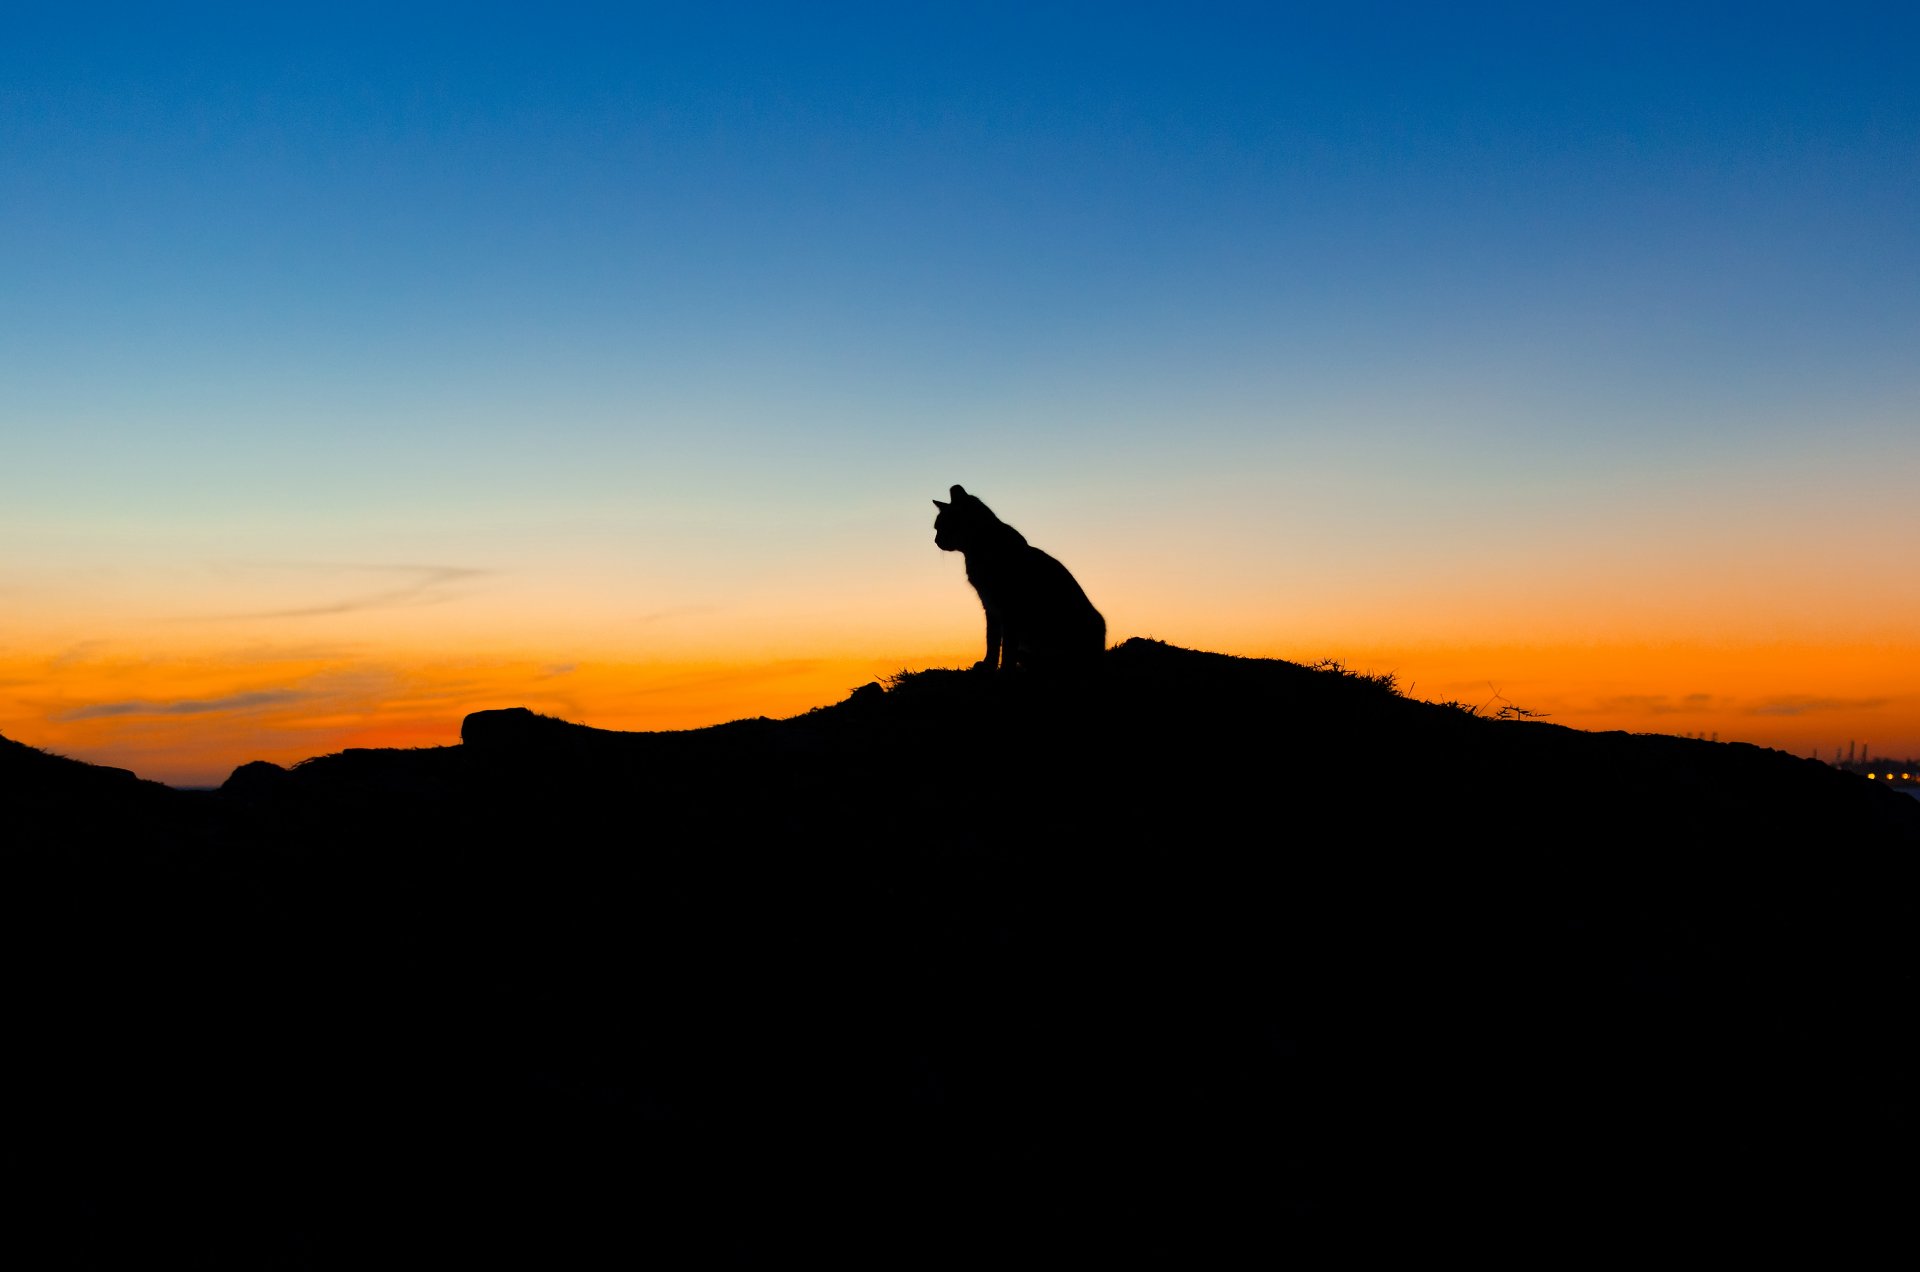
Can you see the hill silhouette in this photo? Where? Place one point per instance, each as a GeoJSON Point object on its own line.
{"type": "Point", "coordinates": [1194, 953]}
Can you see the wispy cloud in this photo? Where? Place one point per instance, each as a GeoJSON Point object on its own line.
{"type": "Point", "coordinates": [1661, 704]}
{"type": "Point", "coordinates": [75, 654]}
{"type": "Point", "coordinates": [402, 586]}
{"type": "Point", "coordinates": [189, 706]}
{"type": "Point", "coordinates": [1658, 703]}
{"type": "Point", "coordinates": [1799, 705]}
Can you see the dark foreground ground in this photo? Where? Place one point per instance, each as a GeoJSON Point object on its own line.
{"type": "Point", "coordinates": [1196, 956]}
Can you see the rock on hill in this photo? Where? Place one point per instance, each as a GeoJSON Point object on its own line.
{"type": "Point", "coordinates": [1196, 955]}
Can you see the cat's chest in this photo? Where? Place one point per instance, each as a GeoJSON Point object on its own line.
{"type": "Point", "coordinates": [995, 578]}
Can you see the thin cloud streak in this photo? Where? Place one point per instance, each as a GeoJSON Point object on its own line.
{"type": "Point", "coordinates": [1799, 706]}
{"type": "Point", "coordinates": [426, 587]}
{"type": "Point", "coordinates": [196, 706]}
{"type": "Point", "coordinates": [1784, 705]}
{"type": "Point", "coordinates": [1657, 703]}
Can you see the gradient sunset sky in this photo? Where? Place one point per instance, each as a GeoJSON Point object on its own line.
{"type": "Point", "coordinates": [363, 366]}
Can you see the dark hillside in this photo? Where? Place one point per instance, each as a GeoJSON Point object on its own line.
{"type": "Point", "coordinates": [1193, 952]}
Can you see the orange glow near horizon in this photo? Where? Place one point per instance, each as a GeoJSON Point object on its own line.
{"type": "Point", "coordinates": [183, 676]}
{"type": "Point", "coordinates": [1801, 697]}
{"type": "Point", "coordinates": [190, 720]}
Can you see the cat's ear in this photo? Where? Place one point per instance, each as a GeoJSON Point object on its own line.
{"type": "Point", "coordinates": [942, 507]}
{"type": "Point", "coordinates": [957, 493]}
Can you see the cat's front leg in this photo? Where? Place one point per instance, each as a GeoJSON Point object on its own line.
{"type": "Point", "coordinates": [1010, 637]}
{"type": "Point", "coordinates": [992, 660]}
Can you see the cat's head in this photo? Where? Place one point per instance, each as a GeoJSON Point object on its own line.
{"type": "Point", "coordinates": [959, 524]}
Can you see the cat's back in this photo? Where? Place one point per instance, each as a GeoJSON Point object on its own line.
{"type": "Point", "coordinates": [1062, 621]}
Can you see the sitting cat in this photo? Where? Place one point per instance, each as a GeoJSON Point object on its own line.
{"type": "Point", "coordinates": [1037, 616]}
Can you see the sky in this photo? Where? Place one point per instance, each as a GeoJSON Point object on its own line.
{"type": "Point", "coordinates": [364, 366]}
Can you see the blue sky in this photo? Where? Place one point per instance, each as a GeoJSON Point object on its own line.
{"type": "Point", "coordinates": [472, 212]}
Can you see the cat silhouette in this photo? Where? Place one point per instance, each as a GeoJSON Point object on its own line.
{"type": "Point", "coordinates": [1037, 616]}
